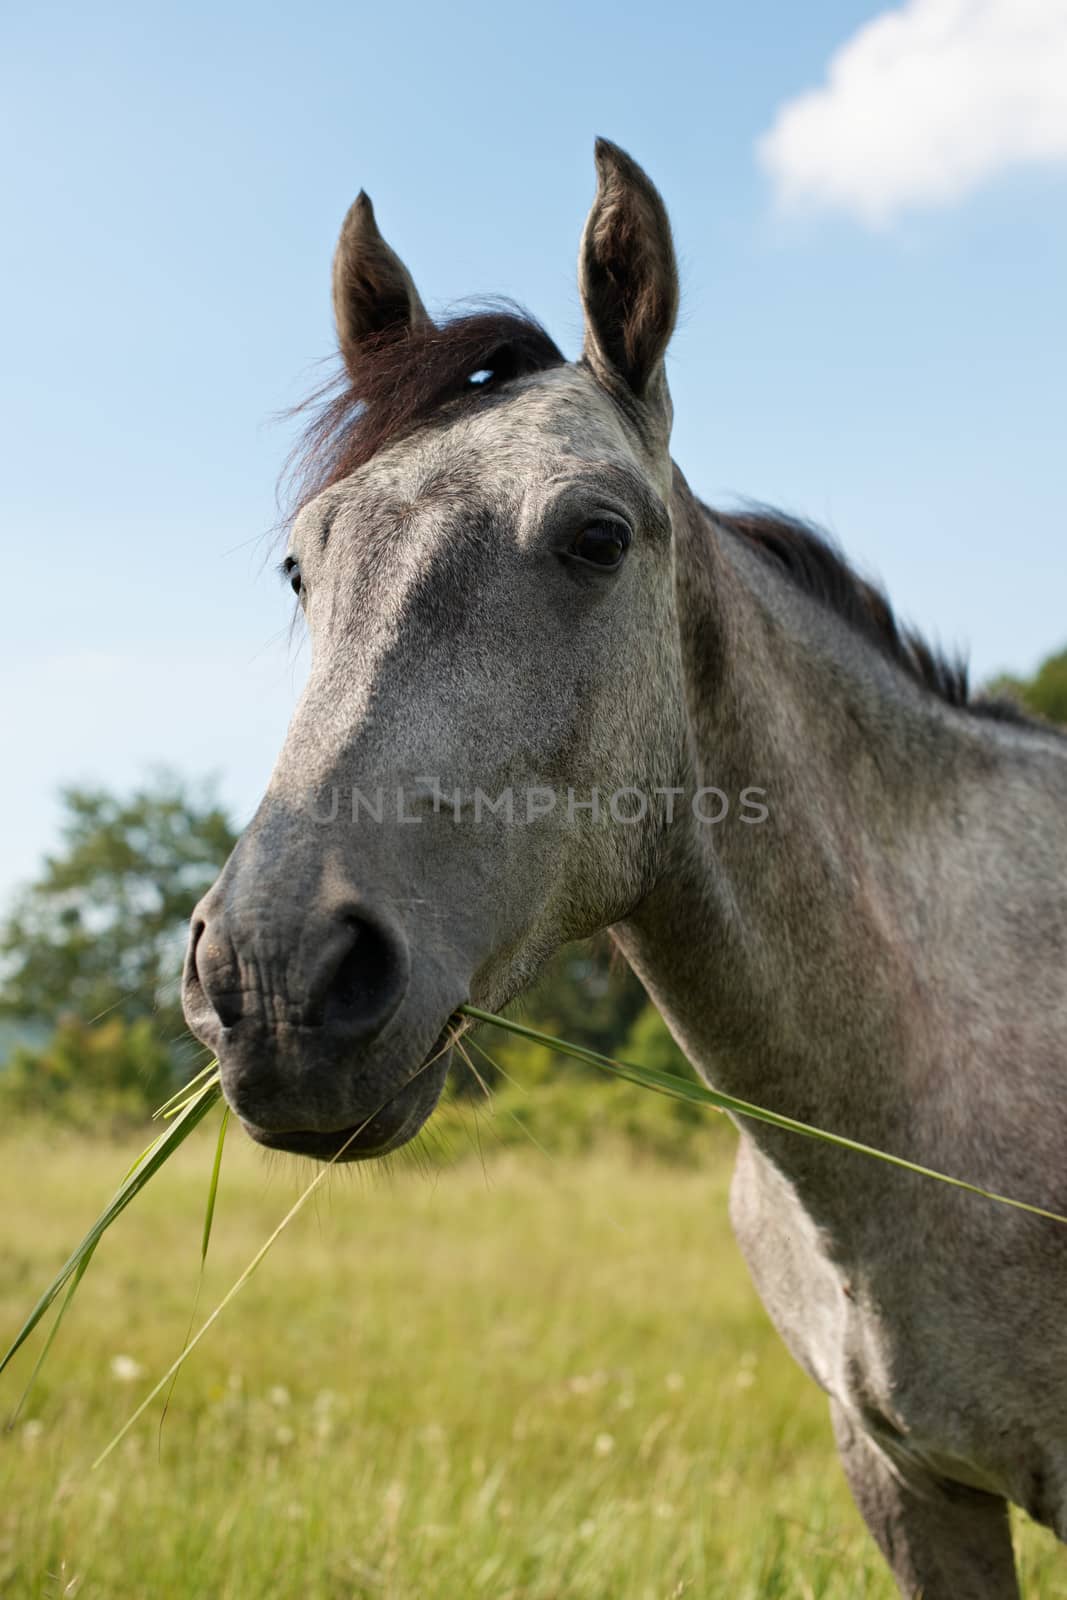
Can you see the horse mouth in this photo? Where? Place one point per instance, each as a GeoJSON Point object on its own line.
{"type": "Point", "coordinates": [395, 1122]}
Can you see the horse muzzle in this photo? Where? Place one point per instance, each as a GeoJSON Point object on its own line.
{"type": "Point", "coordinates": [325, 1048]}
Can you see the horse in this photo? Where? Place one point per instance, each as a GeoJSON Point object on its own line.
{"type": "Point", "coordinates": [540, 667]}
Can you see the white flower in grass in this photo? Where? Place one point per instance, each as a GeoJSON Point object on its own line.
{"type": "Point", "coordinates": [126, 1369]}
{"type": "Point", "coordinates": [603, 1444]}
{"type": "Point", "coordinates": [586, 1529]}
{"type": "Point", "coordinates": [392, 1502]}
{"type": "Point", "coordinates": [746, 1376]}
{"type": "Point", "coordinates": [278, 1396]}
{"type": "Point", "coordinates": [32, 1430]}
{"type": "Point", "coordinates": [675, 1381]}
{"type": "Point", "coordinates": [585, 1383]}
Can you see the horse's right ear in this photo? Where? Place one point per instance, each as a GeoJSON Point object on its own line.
{"type": "Point", "coordinates": [628, 280]}
{"type": "Point", "coordinates": [373, 291]}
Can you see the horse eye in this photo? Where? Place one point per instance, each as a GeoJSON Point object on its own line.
{"type": "Point", "coordinates": [602, 544]}
{"type": "Point", "coordinates": [291, 573]}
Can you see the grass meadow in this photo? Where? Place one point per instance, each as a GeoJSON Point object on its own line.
{"type": "Point", "coordinates": [517, 1378]}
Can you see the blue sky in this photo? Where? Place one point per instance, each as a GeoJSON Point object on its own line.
{"type": "Point", "coordinates": [859, 344]}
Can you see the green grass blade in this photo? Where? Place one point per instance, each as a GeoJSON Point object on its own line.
{"type": "Point", "coordinates": [235, 1289]}
{"type": "Point", "coordinates": [143, 1170]}
{"type": "Point", "coordinates": [213, 1186]}
{"type": "Point", "coordinates": [182, 1094]}
{"type": "Point", "coordinates": [683, 1089]}
{"type": "Point", "coordinates": [72, 1289]}
{"type": "Point", "coordinates": [209, 1217]}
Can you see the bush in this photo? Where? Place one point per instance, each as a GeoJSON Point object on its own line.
{"type": "Point", "coordinates": [1045, 694]}
{"type": "Point", "coordinates": [569, 1108]}
{"type": "Point", "coordinates": [90, 1074]}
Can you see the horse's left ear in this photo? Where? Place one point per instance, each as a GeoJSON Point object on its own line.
{"type": "Point", "coordinates": [628, 279]}
{"type": "Point", "coordinates": [373, 291]}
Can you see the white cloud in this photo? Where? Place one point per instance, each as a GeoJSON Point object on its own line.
{"type": "Point", "coordinates": [922, 104]}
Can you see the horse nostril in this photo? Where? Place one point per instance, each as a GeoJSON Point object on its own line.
{"type": "Point", "coordinates": [208, 975]}
{"type": "Point", "coordinates": [368, 980]}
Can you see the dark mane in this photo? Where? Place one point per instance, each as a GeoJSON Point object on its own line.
{"type": "Point", "coordinates": [402, 381]}
{"type": "Point", "coordinates": [810, 560]}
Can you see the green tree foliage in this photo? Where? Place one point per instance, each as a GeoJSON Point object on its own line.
{"type": "Point", "coordinates": [1045, 693]}
{"type": "Point", "coordinates": [589, 995]}
{"type": "Point", "coordinates": [586, 994]}
{"type": "Point", "coordinates": [101, 931]}
{"type": "Point", "coordinates": [563, 1106]}
{"type": "Point", "coordinates": [87, 1073]}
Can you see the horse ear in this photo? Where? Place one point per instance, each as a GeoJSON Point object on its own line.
{"type": "Point", "coordinates": [373, 291]}
{"type": "Point", "coordinates": [628, 278]}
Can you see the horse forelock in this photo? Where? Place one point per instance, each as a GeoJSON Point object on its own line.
{"type": "Point", "coordinates": [402, 381]}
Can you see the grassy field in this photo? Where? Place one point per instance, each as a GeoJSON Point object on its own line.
{"type": "Point", "coordinates": [530, 1380]}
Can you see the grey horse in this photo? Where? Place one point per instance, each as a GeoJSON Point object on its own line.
{"type": "Point", "coordinates": [551, 692]}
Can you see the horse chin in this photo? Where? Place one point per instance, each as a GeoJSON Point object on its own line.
{"type": "Point", "coordinates": [392, 1125]}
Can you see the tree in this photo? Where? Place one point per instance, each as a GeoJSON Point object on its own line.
{"type": "Point", "coordinates": [112, 1072]}
{"type": "Point", "coordinates": [1045, 693]}
{"type": "Point", "coordinates": [102, 929]}
{"type": "Point", "coordinates": [586, 995]}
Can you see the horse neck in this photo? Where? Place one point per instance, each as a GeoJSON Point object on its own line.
{"type": "Point", "coordinates": [793, 958]}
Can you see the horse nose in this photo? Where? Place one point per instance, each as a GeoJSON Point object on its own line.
{"type": "Point", "coordinates": [346, 974]}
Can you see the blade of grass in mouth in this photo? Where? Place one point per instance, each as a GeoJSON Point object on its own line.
{"type": "Point", "coordinates": [677, 1088]}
